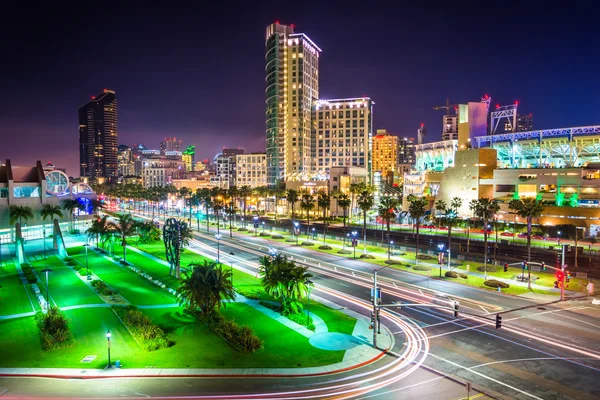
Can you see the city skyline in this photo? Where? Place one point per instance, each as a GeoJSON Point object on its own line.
{"type": "Point", "coordinates": [167, 86]}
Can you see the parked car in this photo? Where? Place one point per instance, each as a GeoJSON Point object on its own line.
{"type": "Point", "coordinates": [522, 235]}
{"type": "Point", "coordinates": [507, 234]}
{"type": "Point", "coordinates": [538, 237]}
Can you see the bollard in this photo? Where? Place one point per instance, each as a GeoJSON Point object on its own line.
{"type": "Point", "coordinates": [499, 289]}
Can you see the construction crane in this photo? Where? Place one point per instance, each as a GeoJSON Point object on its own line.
{"type": "Point", "coordinates": [448, 106]}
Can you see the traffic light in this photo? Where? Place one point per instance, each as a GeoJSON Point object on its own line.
{"type": "Point", "coordinates": [505, 267]}
{"type": "Point", "coordinates": [372, 321]}
{"type": "Point", "coordinates": [543, 266]}
{"type": "Point", "coordinates": [498, 321]}
{"type": "Point", "coordinates": [568, 276]}
{"type": "Point", "coordinates": [456, 309]}
{"type": "Point", "coordinates": [523, 265]}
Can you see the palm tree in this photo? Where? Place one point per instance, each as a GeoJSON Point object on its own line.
{"type": "Point", "coordinates": [324, 202]}
{"type": "Point", "coordinates": [98, 229]}
{"type": "Point", "coordinates": [97, 205]}
{"type": "Point", "coordinates": [484, 209]}
{"type": "Point", "coordinates": [441, 206]}
{"type": "Point", "coordinates": [245, 192]}
{"type": "Point", "coordinates": [416, 209]}
{"type": "Point", "coordinates": [125, 226]}
{"type": "Point", "coordinates": [355, 189]}
{"type": "Point", "coordinates": [185, 194]}
{"type": "Point", "coordinates": [528, 208]}
{"type": "Point", "coordinates": [232, 194]}
{"type": "Point", "coordinates": [49, 211]}
{"type": "Point", "coordinates": [452, 217]}
{"type": "Point", "coordinates": [335, 194]}
{"type": "Point", "coordinates": [19, 213]}
{"type": "Point", "coordinates": [365, 202]}
{"type": "Point", "coordinates": [205, 199]}
{"type": "Point", "coordinates": [292, 198]}
{"type": "Point", "coordinates": [344, 202]}
{"type": "Point", "coordinates": [206, 288]}
{"type": "Point", "coordinates": [69, 206]}
{"type": "Point", "coordinates": [387, 212]}
{"type": "Point", "coordinates": [278, 194]}
{"type": "Point", "coordinates": [307, 203]}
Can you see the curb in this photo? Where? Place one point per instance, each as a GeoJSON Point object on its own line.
{"type": "Point", "coordinates": [58, 376]}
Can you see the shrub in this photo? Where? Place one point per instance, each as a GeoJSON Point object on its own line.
{"type": "Point", "coordinates": [421, 268]}
{"type": "Point", "coordinates": [290, 240]}
{"type": "Point", "coordinates": [302, 319]}
{"type": "Point", "coordinates": [496, 284]}
{"type": "Point", "coordinates": [54, 329]}
{"type": "Point", "coordinates": [26, 267]}
{"type": "Point", "coordinates": [276, 237]}
{"type": "Point", "coordinates": [242, 229]}
{"type": "Point", "coordinates": [424, 257]}
{"type": "Point", "coordinates": [367, 256]}
{"type": "Point", "coordinates": [84, 271]}
{"type": "Point", "coordinates": [451, 274]}
{"type": "Point", "coordinates": [241, 337]}
{"type": "Point", "coordinates": [325, 247]}
{"type": "Point", "coordinates": [255, 295]}
{"type": "Point", "coordinates": [308, 244]}
{"type": "Point", "coordinates": [263, 234]}
{"type": "Point", "coordinates": [77, 267]}
{"type": "Point", "coordinates": [393, 262]}
{"type": "Point", "coordinates": [150, 337]}
{"type": "Point", "coordinates": [68, 258]}
{"type": "Point", "coordinates": [31, 278]}
{"type": "Point", "coordinates": [463, 276]}
{"type": "Point", "coordinates": [490, 268]}
{"type": "Point", "coordinates": [72, 262]}
{"type": "Point", "coordinates": [345, 251]}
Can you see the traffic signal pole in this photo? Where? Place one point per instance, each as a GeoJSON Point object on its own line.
{"type": "Point", "coordinates": [562, 279]}
{"type": "Point", "coordinates": [375, 309]}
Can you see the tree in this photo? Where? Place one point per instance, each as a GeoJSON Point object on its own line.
{"type": "Point", "coordinates": [245, 192]}
{"type": "Point", "coordinates": [71, 205]}
{"type": "Point", "coordinates": [208, 286]}
{"type": "Point", "coordinates": [344, 202]}
{"type": "Point", "coordinates": [355, 189]}
{"type": "Point", "coordinates": [19, 213]}
{"type": "Point", "coordinates": [365, 202]}
{"type": "Point", "coordinates": [148, 232]}
{"type": "Point", "coordinates": [416, 209]}
{"type": "Point", "coordinates": [185, 194]}
{"type": "Point", "coordinates": [324, 202]}
{"type": "Point", "coordinates": [99, 228]}
{"type": "Point", "coordinates": [452, 217]}
{"type": "Point", "coordinates": [284, 280]}
{"type": "Point", "coordinates": [307, 203]}
{"type": "Point", "coordinates": [292, 198]}
{"type": "Point", "coordinates": [441, 206]}
{"type": "Point", "coordinates": [125, 226]}
{"type": "Point", "coordinates": [387, 212]}
{"type": "Point", "coordinates": [484, 209]}
{"type": "Point", "coordinates": [97, 205]}
{"type": "Point", "coordinates": [528, 208]}
{"type": "Point", "coordinates": [204, 197]}
{"type": "Point", "coordinates": [335, 194]}
{"type": "Point", "coordinates": [49, 211]}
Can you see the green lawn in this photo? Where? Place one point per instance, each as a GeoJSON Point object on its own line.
{"type": "Point", "coordinates": [66, 288]}
{"type": "Point", "coordinates": [21, 344]}
{"type": "Point", "coordinates": [133, 287]}
{"type": "Point", "coordinates": [13, 297]}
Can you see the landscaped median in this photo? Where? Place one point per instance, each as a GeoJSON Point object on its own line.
{"type": "Point", "coordinates": [427, 265]}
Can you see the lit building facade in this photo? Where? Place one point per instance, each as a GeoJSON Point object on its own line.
{"type": "Point", "coordinates": [292, 87]}
{"type": "Point", "coordinates": [126, 161]}
{"type": "Point", "coordinates": [170, 144]}
{"type": "Point", "coordinates": [385, 152]}
{"type": "Point", "coordinates": [98, 136]}
{"type": "Point", "coordinates": [158, 170]}
{"type": "Point", "coordinates": [450, 127]}
{"type": "Point", "coordinates": [225, 168]}
{"type": "Point", "coordinates": [343, 131]}
{"type": "Point", "coordinates": [251, 170]}
{"type": "Point", "coordinates": [188, 156]}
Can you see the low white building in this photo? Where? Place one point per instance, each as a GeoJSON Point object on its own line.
{"type": "Point", "coordinates": [251, 170]}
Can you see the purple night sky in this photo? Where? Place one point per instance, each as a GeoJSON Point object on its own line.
{"type": "Point", "coordinates": [198, 73]}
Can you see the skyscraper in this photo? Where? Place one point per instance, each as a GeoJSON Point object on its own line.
{"type": "Point", "coordinates": [188, 156]}
{"type": "Point", "coordinates": [98, 135]}
{"type": "Point", "coordinates": [292, 86]}
{"type": "Point", "coordinates": [170, 144]}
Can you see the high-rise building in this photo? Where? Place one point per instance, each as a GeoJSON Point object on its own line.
{"type": "Point", "coordinates": [524, 123]}
{"type": "Point", "coordinates": [450, 127]}
{"type": "Point", "coordinates": [406, 151]}
{"type": "Point", "coordinates": [251, 170]}
{"type": "Point", "coordinates": [343, 131]}
{"type": "Point", "coordinates": [292, 86]}
{"type": "Point", "coordinates": [126, 161]}
{"type": "Point", "coordinates": [225, 168]}
{"type": "Point", "coordinates": [188, 156]}
{"type": "Point", "coordinates": [160, 170]}
{"type": "Point", "coordinates": [385, 152]}
{"type": "Point", "coordinates": [170, 144]}
{"type": "Point", "coordinates": [98, 135]}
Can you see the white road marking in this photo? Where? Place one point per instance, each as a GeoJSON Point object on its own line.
{"type": "Point", "coordinates": [484, 310]}
{"type": "Point", "coordinates": [583, 322]}
{"type": "Point", "coordinates": [402, 388]}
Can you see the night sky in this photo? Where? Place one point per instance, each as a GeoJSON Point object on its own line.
{"type": "Point", "coordinates": [197, 73]}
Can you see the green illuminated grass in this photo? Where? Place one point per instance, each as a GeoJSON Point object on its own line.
{"type": "Point", "coordinates": [21, 343]}
{"type": "Point", "coordinates": [66, 288]}
{"type": "Point", "coordinates": [13, 297]}
{"type": "Point", "coordinates": [133, 287]}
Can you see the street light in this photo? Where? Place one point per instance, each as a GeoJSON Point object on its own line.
{"type": "Point", "coordinates": [558, 237]}
{"type": "Point", "coordinates": [313, 233]}
{"type": "Point", "coordinates": [263, 225]}
{"type": "Point", "coordinates": [108, 335]}
{"type": "Point", "coordinates": [344, 242]}
{"type": "Point", "coordinates": [440, 256]}
{"type": "Point", "coordinates": [391, 243]}
{"type": "Point", "coordinates": [87, 270]}
{"type": "Point", "coordinates": [46, 270]}
{"type": "Point", "coordinates": [296, 231]}
{"type": "Point", "coordinates": [255, 226]}
{"type": "Point", "coordinates": [218, 237]}
{"type": "Point", "coordinates": [44, 233]}
{"type": "Point", "coordinates": [309, 284]}
{"type": "Point", "coordinates": [354, 243]}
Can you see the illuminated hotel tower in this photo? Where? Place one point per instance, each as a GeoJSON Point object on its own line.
{"type": "Point", "coordinates": [292, 87]}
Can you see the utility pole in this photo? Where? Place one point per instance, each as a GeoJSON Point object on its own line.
{"type": "Point", "coordinates": [375, 310]}
{"type": "Point", "coordinates": [562, 267]}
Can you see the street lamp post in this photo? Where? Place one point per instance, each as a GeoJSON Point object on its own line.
{"type": "Point", "coordinates": [255, 226]}
{"type": "Point", "coordinates": [344, 242]}
{"type": "Point", "coordinates": [558, 233]}
{"type": "Point", "coordinates": [108, 335]}
{"type": "Point", "coordinates": [496, 242]}
{"type": "Point", "coordinates": [44, 233]}
{"type": "Point", "coordinates": [354, 243]}
{"type": "Point", "coordinates": [440, 255]}
{"type": "Point", "coordinates": [47, 270]}
{"type": "Point", "coordinates": [309, 284]}
{"type": "Point", "coordinates": [296, 231]}
{"type": "Point", "coordinates": [263, 226]}
{"type": "Point", "coordinates": [313, 233]}
{"type": "Point", "coordinates": [218, 237]}
{"type": "Point", "coordinates": [87, 270]}
{"type": "Point", "coordinates": [390, 244]}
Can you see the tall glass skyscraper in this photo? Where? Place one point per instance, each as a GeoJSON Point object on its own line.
{"type": "Point", "coordinates": [98, 138]}
{"type": "Point", "coordinates": [292, 86]}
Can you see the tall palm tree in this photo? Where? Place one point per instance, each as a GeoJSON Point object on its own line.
{"type": "Point", "coordinates": [441, 206]}
{"type": "Point", "coordinates": [99, 229]}
{"type": "Point", "coordinates": [484, 209]}
{"type": "Point", "coordinates": [452, 217]}
{"type": "Point", "coordinates": [208, 286]}
{"type": "Point", "coordinates": [307, 203]}
{"type": "Point", "coordinates": [278, 194]}
{"type": "Point", "coordinates": [49, 211]}
{"type": "Point", "coordinates": [335, 194]}
{"type": "Point", "coordinates": [292, 198]}
{"type": "Point", "coordinates": [365, 202]}
{"type": "Point", "coordinates": [205, 199]}
{"type": "Point", "coordinates": [97, 205]}
{"type": "Point", "coordinates": [324, 202]}
{"type": "Point", "coordinates": [528, 208]}
{"type": "Point", "coordinates": [232, 194]}
{"type": "Point", "coordinates": [344, 202]}
{"type": "Point", "coordinates": [125, 226]}
{"type": "Point", "coordinates": [416, 209]}
{"type": "Point", "coordinates": [19, 213]}
{"type": "Point", "coordinates": [185, 194]}
{"type": "Point", "coordinates": [245, 192]}
{"type": "Point", "coordinates": [69, 206]}
{"type": "Point", "coordinates": [387, 212]}
{"type": "Point", "coordinates": [355, 190]}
